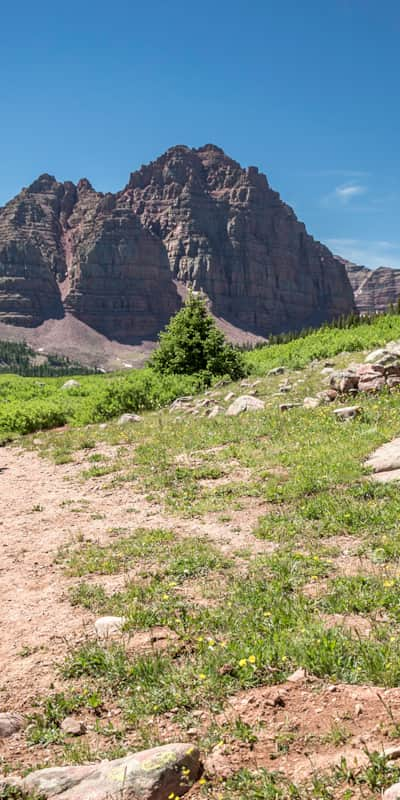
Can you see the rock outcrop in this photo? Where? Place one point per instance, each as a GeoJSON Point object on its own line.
{"type": "Point", "coordinates": [68, 248]}
{"type": "Point", "coordinates": [374, 289]}
{"type": "Point", "coordinates": [193, 217]}
{"type": "Point", "coordinates": [229, 234]}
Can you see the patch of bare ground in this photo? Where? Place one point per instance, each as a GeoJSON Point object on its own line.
{"type": "Point", "coordinates": [44, 507]}
{"type": "Point", "coordinates": [303, 728]}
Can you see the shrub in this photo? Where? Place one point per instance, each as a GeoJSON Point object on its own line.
{"type": "Point", "coordinates": [191, 343]}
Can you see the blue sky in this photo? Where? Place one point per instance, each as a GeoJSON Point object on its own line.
{"type": "Point", "coordinates": [308, 91]}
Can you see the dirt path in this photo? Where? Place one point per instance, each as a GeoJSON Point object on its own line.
{"type": "Point", "coordinates": [42, 508]}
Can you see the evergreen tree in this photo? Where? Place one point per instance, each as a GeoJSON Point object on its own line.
{"type": "Point", "coordinates": [191, 343]}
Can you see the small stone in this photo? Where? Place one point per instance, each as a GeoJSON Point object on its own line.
{"type": "Point", "coordinates": [297, 676]}
{"type": "Point", "coordinates": [392, 752]}
{"type": "Point", "coordinates": [348, 412]}
{"type": "Point", "coordinates": [358, 709]}
{"type": "Point", "coordinates": [126, 419]}
{"type": "Point", "coordinates": [311, 402]}
{"type": "Point", "coordinates": [73, 727]}
{"type": "Point", "coordinates": [71, 384]}
{"type": "Point", "coordinates": [288, 406]}
{"type": "Point", "coordinates": [108, 626]}
{"type": "Point", "coordinates": [276, 371]}
{"type": "Point", "coordinates": [215, 412]}
{"type": "Point", "coordinates": [10, 723]}
{"type": "Point", "coordinates": [328, 395]}
{"type": "Point", "coordinates": [228, 397]}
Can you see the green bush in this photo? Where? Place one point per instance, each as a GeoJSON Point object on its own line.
{"type": "Point", "coordinates": [192, 344]}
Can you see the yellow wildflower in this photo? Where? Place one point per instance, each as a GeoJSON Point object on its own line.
{"type": "Point", "coordinates": [252, 659]}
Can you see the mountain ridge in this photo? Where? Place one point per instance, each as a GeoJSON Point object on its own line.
{"type": "Point", "coordinates": [120, 262]}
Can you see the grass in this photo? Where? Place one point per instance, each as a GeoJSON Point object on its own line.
{"type": "Point", "coordinates": [297, 482]}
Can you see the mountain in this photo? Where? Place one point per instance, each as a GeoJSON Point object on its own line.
{"type": "Point", "coordinates": [374, 289]}
{"type": "Point", "coordinates": [119, 264]}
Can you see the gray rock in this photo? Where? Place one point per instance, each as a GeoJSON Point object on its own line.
{"type": "Point", "coordinates": [393, 793]}
{"type": "Point", "coordinates": [344, 381]}
{"type": "Point", "coordinates": [312, 402]}
{"type": "Point", "coordinates": [108, 626]}
{"type": "Point", "coordinates": [228, 397]}
{"type": "Point", "coordinates": [150, 775]}
{"type": "Point", "coordinates": [376, 355]}
{"type": "Point", "coordinates": [126, 419]}
{"type": "Point", "coordinates": [215, 412]}
{"type": "Point", "coordinates": [386, 457]}
{"type": "Point", "coordinates": [327, 370]}
{"type": "Point", "coordinates": [327, 395]}
{"type": "Point", "coordinates": [348, 412]}
{"type": "Point", "coordinates": [73, 727]}
{"type": "Point", "coordinates": [244, 403]}
{"type": "Point", "coordinates": [276, 371]}
{"type": "Point", "coordinates": [392, 381]}
{"type": "Point", "coordinates": [180, 402]}
{"type": "Point", "coordinates": [288, 406]}
{"type": "Point", "coordinates": [10, 723]}
{"type": "Point", "coordinates": [71, 384]}
{"type": "Point", "coordinates": [298, 676]}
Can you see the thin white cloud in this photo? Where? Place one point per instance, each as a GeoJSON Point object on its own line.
{"type": "Point", "coordinates": [344, 194]}
{"type": "Point", "coordinates": [348, 191]}
{"type": "Point", "coordinates": [367, 253]}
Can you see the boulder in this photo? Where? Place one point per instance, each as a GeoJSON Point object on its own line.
{"type": "Point", "coordinates": [376, 355]}
{"type": "Point", "coordinates": [73, 727]}
{"type": "Point", "coordinates": [344, 381]}
{"type": "Point", "coordinates": [328, 395]}
{"type": "Point", "coordinates": [71, 384]}
{"type": "Point", "coordinates": [393, 793]}
{"type": "Point", "coordinates": [348, 412]}
{"type": "Point", "coordinates": [167, 771]}
{"type": "Point", "coordinates": [276, 371]}
{"type": "Point", "coordinates": [312, 402]}
{"type": "Point", "coordinates": [244, 403]}
{"type": "Point", "coordinates": [386, 457]}
{"type": "Point", "coordinates": [392, 381]}
{"type": "Point", "coordinates": [127, 419]}
{"type": "Point", "coordinates": [371, 382]}
{"type": "Point", "coordinates": [10, 723]}
{"type": "Point", "coordinates": [108, 626]}
{"type": "Point", "coordinates": [215, 412]}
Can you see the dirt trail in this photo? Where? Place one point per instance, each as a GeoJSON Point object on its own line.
{"type": "Point", "coordinates": [42, 508]}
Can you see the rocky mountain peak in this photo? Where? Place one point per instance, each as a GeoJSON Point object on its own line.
{"type": "Point", "coordinates": [191, 217]}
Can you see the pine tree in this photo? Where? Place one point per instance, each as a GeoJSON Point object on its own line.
{"type": "Point", "coordinates": [191, 343]}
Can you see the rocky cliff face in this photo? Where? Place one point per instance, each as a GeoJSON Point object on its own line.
{"type": "Point", "coordinates": [194, 217]}
{"type": "Point", "coordinates": [66, 247]}
{"type": "Point", "coordinates": [374, 289]}
{"type": "Point", "coordinates": [228, 233]}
